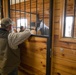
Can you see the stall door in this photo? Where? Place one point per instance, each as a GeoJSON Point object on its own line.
{"type": "Point", "coordinates": [35, 51]}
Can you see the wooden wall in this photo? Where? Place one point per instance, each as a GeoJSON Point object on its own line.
{"type": "Point", "coordinates": [33, 56]}
{"type": "Point", "coordinates": [70, 8]}
{"type": "Point", "coordinates": [64, 53]}
{"type": "Point", "coordinates": [33, 59]}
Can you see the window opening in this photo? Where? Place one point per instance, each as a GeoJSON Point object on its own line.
{"type": "Point", "coordinates": [36, 13]}
{"type": "Point", "coordinates": [68, 26]}
{"type": "Point", "coordinates": [69, 30]}
{"type": "Point", "coordinates": [21, 22]}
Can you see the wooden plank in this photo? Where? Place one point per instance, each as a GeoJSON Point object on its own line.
{"type": "Point", "coordinates": [60, 72]}
{"type": "Point", "coordinates": [66, 65]}
{"type": "Point", "coordinates": [65, 53]}
{"type": "Point", "coordinates": [33, 54]}
{"type": "Point", "coordinates": [28, 70]}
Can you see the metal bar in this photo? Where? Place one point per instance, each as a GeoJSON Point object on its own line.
{"type": "Point", "coordinates": [49, 40]}
{"type": "Point", "coordinates": [73, 19]}
{"type": "Point", "coordinates": [65, 7]}
{"type": "Point", "coordinates": [24, 8]}
{"type": "Point", "coordinates": [20, 10]}
{"type": "Point", "coordinates": [36, 17]}
{"type": "Point", "coordinates": [23, 11]}
{"type": "Point", "coordinates": [43, 17]}
{"type": "Point", "coordinates": [1, 9]}
{"type": "Point", "coordinates": [45, 36]}
{"type": "Point", "coordinates": [30, 15]}
{"type": "Point", "coordinates": [11, 11]}
{"type": "Point", "coordinates": [15, 15]}
{"type": "Point", "coordinates": [11, 3]}
{"type": "Point", "coordinates": [0, 3]}
{"type": "Point", "coordinates": [9, 8]}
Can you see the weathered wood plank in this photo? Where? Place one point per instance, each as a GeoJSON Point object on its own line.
{"type": "Point", "coordinates": [64, 53]}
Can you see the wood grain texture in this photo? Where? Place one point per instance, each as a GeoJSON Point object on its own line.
{"type": "Point", "coordinates": [60, 72]}
{"type": "Point", "coordinates": [33, 56]}
{"type": "Point", "coordinates": [64, 53]}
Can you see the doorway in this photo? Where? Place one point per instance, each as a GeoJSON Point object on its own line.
{"type": "Point", "coordinates": [35, 56]}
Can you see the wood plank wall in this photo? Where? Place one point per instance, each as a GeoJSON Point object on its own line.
{"type": "Point", "coordinates": [33, 56]}
{"type": "Point", "coordinates": [64, 53]}
{"type": "Point", "coordinates": [33, 51]}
